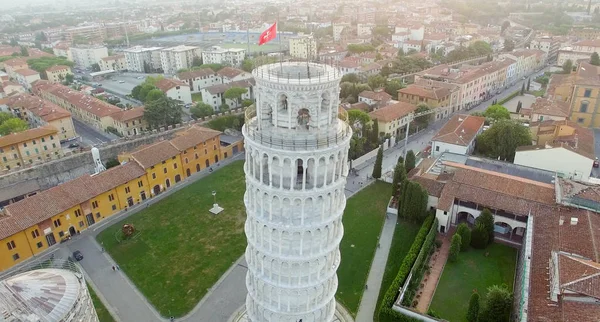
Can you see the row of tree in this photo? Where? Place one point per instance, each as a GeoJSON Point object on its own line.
{"type": "Point", "coordinates": [496, 307]}
{"type": "Point", "coordinates": [11, 124]}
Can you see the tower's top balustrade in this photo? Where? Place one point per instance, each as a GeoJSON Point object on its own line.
{"type": "Point", "coordinates": [297, 73]}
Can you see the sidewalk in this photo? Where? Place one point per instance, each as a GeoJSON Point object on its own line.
{"type": "Point", "coordinates": [368, 304]}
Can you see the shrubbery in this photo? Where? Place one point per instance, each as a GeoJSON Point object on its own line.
{"type": "Point", "coordinates": [454, 248]}
{"type": "Point", "coordinates": [425, 239]}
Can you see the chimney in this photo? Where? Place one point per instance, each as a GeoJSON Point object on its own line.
{"type": "Point", "coordinates": [574, 221]}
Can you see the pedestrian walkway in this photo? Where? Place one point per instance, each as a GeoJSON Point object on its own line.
{"type": "Point", "coordinates": [368, 304]}
{"type": "Point", "coordinates": [436, 264]}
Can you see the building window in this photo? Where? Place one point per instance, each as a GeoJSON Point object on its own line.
{"type": "Point", "coordinates": [174, 165]}
{"type": "Point", "coordinates": [40, 245]}
{"type": "Point", "coordinates": [33, 141]}
{"type": "Point", "coordinates": [152, 167]}
{"type": "Point", "coordinates": [54, 145]}
{"type": "Point", "coordinates": [61, 234]}
{"type": "Point", "coordinates": [173, 158]}
{"type": "Point", "coordinates": [584, 106]}
{"type": "Point", "coordinates": [35, 233]}
{"type": "Point", "coordinates": [11, 245]}
{"type": "Point", "coordinates": [95, 204]}
{"type": "Point", "coordinates": [57, 223]}
{"type": "Point", "coordinates": [111, 197]}
{"type": "Point", "coordinates": [77, 213]}
{"type": "Point", "coordinates": [127, 190]}
{"type": "Point", "coordinates": [154, 176]}
{"type": "Point", "coordinates": [43, 140]}
{"type": "Point", "coordinates": [97, 215]}
{"type": "Point", "coordinates": [16, 257]}
{"type": "Point", "coordinates": [140, 183]}
{"type": "Point", "coordinates": [580, 120]}
{"type": "Point", "coordinates": [81, 224]}
{"type": "Point", "coordinates": [114, 207]}
{"type": "Point", "coordinates": [587, 92]}
{"type": "Point", "coordinates": [165, 170]}
{"type": "Point", "coordinates": [164, 162]}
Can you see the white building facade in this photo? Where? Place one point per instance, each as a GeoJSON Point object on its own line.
{"type": "Point", "coordinates": [296, 168]}
{"type": "Point", "coordinates": [87, 56]}
{"type": "Point", "coordinates": [304, 47]}
{"type": "Point", "coordinates": [142, 60]}
{"type": "Point", "coordinates": [228, 56]}
{"type": "Point", "coordinates": [179, 57]}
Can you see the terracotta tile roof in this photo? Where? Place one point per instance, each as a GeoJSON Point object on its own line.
{"type": "Point", "coordinates": [376, 96]}
{"type": "Point", "coordinates": [57, 68]}
{"type": "Point", "coordinates": [550, 107]}
{"type": "Point", "coordinates": [581, 142]}
{"type": "Point", "coordinates": [428, 92]}
{"type": "Point", "coordinates": [155, 154]}
{"type": "Point", "coordinates": [495, 190]}
{"type": "Point", "coordinates": [44, 109]}
{"type": "Point", "coordinates": [392, 112]}
{"type": "Point", "coordinates": [26, 72]}
{"type": "Point", "coordinates": [42, 206]}
{"type": "Point", "coordinates": [128, 115]}
{"type": "Point", "coordinates": [166, 84]}
{"type": "Point", "coordinates": [193, 136]}
{"type": "Point", "coordinates": [347, 63]}
{"type": "Point", "coordinates": [567, 242]}
{"type": "Point", "coordinates": [460, 130]}
{"type": "Point", "coordinates": [229, 72]}
{"type": "Point", "coordinates": [80, 100]}
{"type": "Point", "coordinates": [15, 62]}
{"type": "Point", "coordinates": [360, 106]}
{"type": "Point", "coordinates": [433, 187]}
{"type": "Point", "coordinates": [26, 135]}
{"type": "Point", "coordinates": [196, 73]}
{"type": "Point", "coordinates": [588, 43]}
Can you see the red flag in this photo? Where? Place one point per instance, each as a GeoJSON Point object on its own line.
{"type": "Point", "coordinates": [268, 35]}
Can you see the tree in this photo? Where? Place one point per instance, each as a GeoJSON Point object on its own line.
{"type": "Point", "coordinates": [505, 25]}
{"type": "Point", "coordinates": [497, 304]}
{"type": "Point", "coordinates": [413, 203]}
{"type": "Point", "coordinates": [519, 106]}
{"type": "Point", "coordinates": [479, 236]}
{"type": "Point", "coordinates": [422, 122]}
{"type": "Point", "coordinates": [196, 61]}
{"type": "Point", "coordinates": [473, 312]}
{"type": "Point", "coordinates": [567, 67]}
{"type": "Point", "coordinates": [374, 137]}
{"type": "Point", "coordinates": [223, 107]}
{"type": "Point", "coordinates": [69, 78]}
{"type": "Point", "coordinates": [95, 67]}
{"type": "Point", "coordinates": [392, 87]}
{"type": "Point", "coordinates": [497, 112]}
{"type": "Point", "coordinates": [10, 124]}
{"type": "Point", "coordinates": [399, 178]}
{"type": "Point", "coordinates": [480, 48]}
{"type": "Point", "coordinates": [487, 220]}
{"type": "Point", "coordinates": [154, 95]}
{"type": "Point", "coordinates": [235, 94]}
{"type": "Point", "coordinates": [465, 236]}
{"type": "Point", "coordinates": [24, 51]}
{"type": "Point", "coordinates": [14, 42]}
{"type": "Point", "coordinates": [376, 81]}
{"type": "Point", "coordinates": [502, 139]}
{"type": "Point", "coordinates": [247, 65]}
{"type": "Point", "coordinates": [359, 121]}
{"type": "Point", "coordinates": [454, 248]}
{"type": "Point", "coordinates": [595, 60]}
{"type": "Point", "coordinates": [247, 102]}
{"type": "Point", "coordinates": [142, 92]}
{"type": "Point", "coordinates": [202, 110]}
{"type": "Point", "coordinates": [410, 161]}
{"type": "Point", "coordinates": [162, 112]}
{"type": "Point", "coordinates": [112, 163]}
{"type": "Point", "coordinates": [523, 89]}
{"type": "Point", "coordinates": [378, 164]}
{"type": "Point", "coordinates": [509, 44]}
{"type": "Point", "coordinates": [351, 77]}
{"type": "Point", "coordinates": [528, 84]}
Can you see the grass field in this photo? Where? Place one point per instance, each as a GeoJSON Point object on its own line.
{"type": "Point", "coordinates": [197, 97]}
{"type": "Point", "coordinates": [404, 236]}
{"type": "Point", "coordinates": [472, 271]}
{"type": "Point", "coordinates": [254, 47]}
{"type": "Point", "coordinates": [181, 249]}
{"type": "Point", "coordinates": [363, 220]}
{"type": "Point", "coordinates": [103, 314]}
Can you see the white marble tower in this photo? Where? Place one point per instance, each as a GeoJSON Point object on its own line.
{"type": "Point", "coordinates": [297, 142]}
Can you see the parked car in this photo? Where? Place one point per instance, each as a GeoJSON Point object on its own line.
{"type": "Point", "coordinates": [77, 255]}
{"type": "Point", "coordinates": [73, 145]}
{"type": "Point", "coordinates": [140, 77]}
{"type": "Point", "coordinates": [121, 82]}
{"type": "Point", "coordinates": [596, 163]}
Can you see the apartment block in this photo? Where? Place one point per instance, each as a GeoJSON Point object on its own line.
{"type": "Point", "coordinates": [303, 47]}
{"type": "Point", "coordinates": [228, 56]}
{"type": "Point", "coordinates": [176, 58]}
{"type": "Point", "coordinates": [29, 146]}
{"type": "Point", "coordinates": [115, 62]}
{"type": "Point", "coordinates": [57, 74]}
{"type": "Point", "coordinates": [86, 56]}
{"type": "Point", "coordinates": [143, 60]}
{"type": "Point", "coordinates": [199, 79]}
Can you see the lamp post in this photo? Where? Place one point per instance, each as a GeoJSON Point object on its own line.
{"type": "Point", "coordinates": [214, 193]}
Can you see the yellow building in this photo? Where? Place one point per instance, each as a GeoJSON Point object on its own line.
{"type": "Point", "coordinates": [585, 96]}
{"type": "Point", "coordinates": [40, 112]}
{"type": "Point", "coordinates": [130, 122]}
{"type": "Point", "coordinates": [199, 147]}
{"type": "Point", "coordinates": [116, 62]}
{"type": "Point", "coordinates": [57, 74]}
{"type": "Point", "coordinates": [27, 147]}
{"type": "Point", "coordinates": [38, 222]}
{"type": "Point", "coordinates": [162, 163]}
{"type": "Point", "coordinates": [393, 118]}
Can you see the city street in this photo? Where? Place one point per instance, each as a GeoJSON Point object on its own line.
{"type": "Point", "coordinates": [90, 136]}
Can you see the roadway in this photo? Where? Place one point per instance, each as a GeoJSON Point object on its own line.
{"type": "Point", "coordinates": [89, 135]}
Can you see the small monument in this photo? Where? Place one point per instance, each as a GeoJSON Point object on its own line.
{"type": "Point", "coordinates": [216, 209]}
{"type": "Point", "coordinates": [128, 230]}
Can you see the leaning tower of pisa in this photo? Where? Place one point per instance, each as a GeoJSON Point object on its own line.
{"type": "Point", "coordinates": [297, 142]}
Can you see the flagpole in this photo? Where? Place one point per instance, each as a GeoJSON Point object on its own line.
{"type": "Point", "coordinates": [279, 37]}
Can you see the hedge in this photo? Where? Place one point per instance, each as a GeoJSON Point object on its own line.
{"type": "Point", "coordinates": [508, 98]}
{"type": "Point", "coordinates": [386, 313]}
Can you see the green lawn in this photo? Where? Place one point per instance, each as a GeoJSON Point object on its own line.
{"type": "Point", "coordinates": [197, 97]}
{"type": "Point", "coordinates": [181, 249]}
{"type": "Point", "coordinates": [103, 314]}
{"type": "Point", "coordinates": [472, 271]}
{"type": "Point", "coordinates": [404, 236]}
{"type": "Point", "coordinates": [254, 48]}
{"type": "Point", "coordinates": [363, 220]}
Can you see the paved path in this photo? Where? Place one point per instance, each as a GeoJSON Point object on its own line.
{"type": "Point", "coordinates": [368, 304]}
{"type": "Point", "coordinates": [437, 263]}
